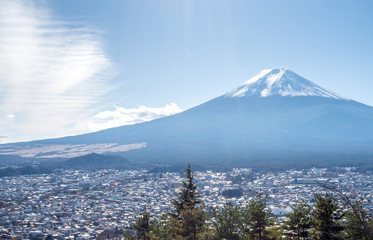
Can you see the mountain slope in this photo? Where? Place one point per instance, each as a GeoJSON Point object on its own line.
{"type": "Point", "coordinates": [276, 115]}
{"type": "Point", "coordinates": [93, 161]}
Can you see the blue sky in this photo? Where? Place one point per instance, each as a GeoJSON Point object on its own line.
{"type": "Point", "coordinates": [130, 61]}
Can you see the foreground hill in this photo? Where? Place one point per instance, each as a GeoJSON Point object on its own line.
{"type": "Point", "coordinates": [276, 117]}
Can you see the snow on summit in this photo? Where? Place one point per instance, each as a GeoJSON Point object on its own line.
{"type": "Point", "coordinates": [280, 82]}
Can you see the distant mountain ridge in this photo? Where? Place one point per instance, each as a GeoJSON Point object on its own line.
{"type": "Point", "coordinates": [27, 170]}
{"type": "Point", "coordinates": [275, 117]}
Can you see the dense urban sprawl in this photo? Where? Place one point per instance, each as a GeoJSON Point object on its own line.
{"type": "Point", "coordinates": [81, 204]}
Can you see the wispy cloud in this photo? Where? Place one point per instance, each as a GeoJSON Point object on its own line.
{"type": "Point", "coordinates": [51, 72]}
{"type": "Point", "coordinates": [127, 116]}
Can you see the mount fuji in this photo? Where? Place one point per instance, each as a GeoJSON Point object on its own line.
{"type": "Point", "coordinates": [280, 82]}
{"type": "Point", "coordinates": [276, 117]}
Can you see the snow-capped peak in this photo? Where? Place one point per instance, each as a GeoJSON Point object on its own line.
{"type": "Point", "coordinates": [280, 82]}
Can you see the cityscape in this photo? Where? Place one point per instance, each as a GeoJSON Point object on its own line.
{"type": "Point", "coordinates": [81, 204]}
{"type": "Point", "coordinates": [186, 120]}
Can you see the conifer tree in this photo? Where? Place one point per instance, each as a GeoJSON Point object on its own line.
{"type": "Point", "coordinates": [358, 224]}
{"type": "Point", "coordinates": [299, 221]}
{"type": "Point", "coordinates": [188, 217]}
{"type": "Point", "coordinates": [325, 218]}
{"type": "Point", "coordinates": [228, 222]}
{"type": "Point", "coordinates": [161, 229]}
{"type": "Point", "coordinates": [257, 218]}
{"type": "Point", "coordinates": [188, 197]}
{"type": "Point", "coordinates": [143, 226]}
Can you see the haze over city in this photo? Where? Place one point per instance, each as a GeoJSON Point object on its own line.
{"type": "Point", "coordinates": [186, 119]}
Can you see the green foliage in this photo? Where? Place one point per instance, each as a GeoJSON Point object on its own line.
{"type": "Point", "coordinates": [188, 197]}
{"type": "Point", "coordinates": [299, 221]}
{"type": "Point", "coordinates": [228, 222]}
{"type": "Point", "coordinates": [325, 218]}
{"type": "Point", "coordinates": [161, 229]}
{"type": "Point", "coordinates": [143, 226]}
{"type": "Point", "coordinates": [146, 228]}
{"type": "Point", "coordinates": [188, 218]}
{"type": "Point", "coordinates": [358, 223]}
{"type": "Point", "coordinates": [190, 223]}
{"type": "Point", "coordinates": [257, 218]}
{"type": "Point", "coordinates": [275, 232]}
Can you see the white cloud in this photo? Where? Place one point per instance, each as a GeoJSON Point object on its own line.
{"type": "Point", "coordinates": [51, 72]}
{"type": "Point", "coordinates": [127, 116]}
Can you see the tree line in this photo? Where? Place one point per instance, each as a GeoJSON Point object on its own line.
{"type": "Point", "coordinates": [189, 220]}
{"type": "Point", "coordinates": [27, 170]}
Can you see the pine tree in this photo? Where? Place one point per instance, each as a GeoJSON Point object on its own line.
{"type": "Point", "coordinates": [161, 229]}
{"type": "Point", "coordinates": [358, 223]}
{"type": "Point", "coordinates": [143, 226]}
{"type": "Point", "coordinates": [188, 197]}
{"type": "Point", "coordinates": [228, 222]}
{"type": "Point", "coordinates": [299, 221]}
{"type": "Point", "coordinates": [257, 218]}
{"type": "Point", "coordinates": [188, 217]}
{"type": "Point", "coordinates": [325, 218]}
